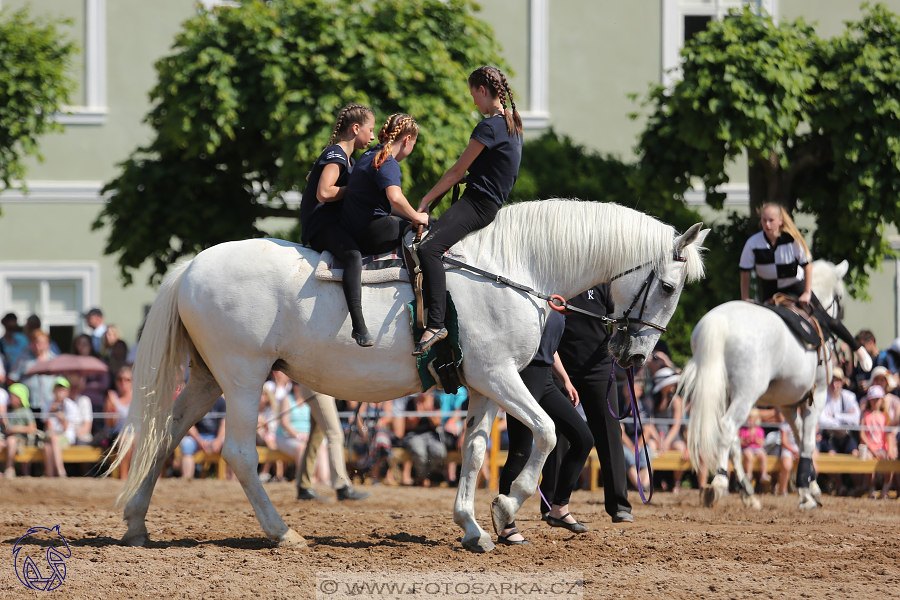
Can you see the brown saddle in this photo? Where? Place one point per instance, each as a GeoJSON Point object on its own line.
{"type": "Point", "coordinates": [800, 321]}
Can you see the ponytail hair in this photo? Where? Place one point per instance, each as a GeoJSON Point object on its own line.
{"type": "Point", "coordinates": [788, 226]}
{"type": "Point", "coordinates": [350, 115]}
{"type": "Point", "coordinates": [495, 82]}
{"type": "Point", "coordinates": [397, 126]}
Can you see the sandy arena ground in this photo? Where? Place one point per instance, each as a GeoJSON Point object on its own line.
{"type": "Point", "coordinates": [207, 543]}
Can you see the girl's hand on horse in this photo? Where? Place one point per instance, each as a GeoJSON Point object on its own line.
{"type": "Point", "coordinates": [420, 219]}
{"type": "Point", "coordinates": [806, 297]}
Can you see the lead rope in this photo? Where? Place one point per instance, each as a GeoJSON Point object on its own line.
{"type": "Point", "coordinates": [629, 373]}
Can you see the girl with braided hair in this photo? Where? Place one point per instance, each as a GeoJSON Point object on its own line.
{"type": "Point", "coordinates": [323, 199]}
{"type": "Point", "coordinates": [492, 160]}
{"type": "Point", "coordinates": [375, 210]}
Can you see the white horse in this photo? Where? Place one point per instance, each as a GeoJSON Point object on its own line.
{"type": "Point", "coordinates": [240, 309]}
{"type": "Point", "coordinates": [744, 354]}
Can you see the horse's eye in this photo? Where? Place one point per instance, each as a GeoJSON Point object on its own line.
{"type": "Point", "coordinates": [668, 288]}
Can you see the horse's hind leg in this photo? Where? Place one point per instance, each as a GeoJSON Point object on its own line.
{"type": "Point", "coordinates": [734, 417]}
{"type": "Point", "coordinates": [478, 426]}
{"type": "Point", "coordinates": [239, 451]}
{"type": "Point", "coordinates": [192, 403]}
{"type": "Point", "coordinates": [804, 428]}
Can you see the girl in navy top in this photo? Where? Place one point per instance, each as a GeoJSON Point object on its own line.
{"type": "Point", "coordinates": [374, 190]}
{"type": "Point", "coordinates": [558, 482]}
{"type": "Point", "coordinates": [323, 198]}
{"type": "Point", "coordinates": [783, 264]}
{"type": "Point", "coordinates": [492, 159]}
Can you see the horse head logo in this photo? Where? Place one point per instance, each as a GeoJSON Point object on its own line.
{"type": "Point", "coordinates": [34, 574]}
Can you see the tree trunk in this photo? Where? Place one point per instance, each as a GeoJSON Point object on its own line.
{"type": "Point", "coordinates": [769, 182]}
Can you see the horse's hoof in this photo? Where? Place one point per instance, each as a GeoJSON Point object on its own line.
{"type": "Point", "coordinates": [501, 513]}
{"type": "Point", "coordinates": [709, 497]}
{"type": "Point", "coordinates": [755, 504]}
{"type": "Point", "coordinates": [808, 505]}
{"type": "Point", "coordinates": [816, 492]}
{"type": "Point", "coordinates": [479, 545]}
{"type": "Point", "coordinates": [291, 539]}
{"type": "Point", "coordinates": [135, 540]}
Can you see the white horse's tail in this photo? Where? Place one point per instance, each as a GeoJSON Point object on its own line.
{"type": "Point", "coordinates": [704, 388]}
{"type": "Point", "coordinates": [158, 373]}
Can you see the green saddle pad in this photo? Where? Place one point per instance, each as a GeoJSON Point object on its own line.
{"type": "Point", "coordinates": [451, 322]}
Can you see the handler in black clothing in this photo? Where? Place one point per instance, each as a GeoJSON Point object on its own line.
{"type": "Point", "coordinates": [585, 356]}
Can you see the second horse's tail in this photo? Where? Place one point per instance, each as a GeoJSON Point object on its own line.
{"type": "Point", "coordinates": [704, 388]}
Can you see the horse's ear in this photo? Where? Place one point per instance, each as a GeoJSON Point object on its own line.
{"type": "Point", "coordinates": [842, 268]}
{"type": "Point", "coordinates": [689, 237]}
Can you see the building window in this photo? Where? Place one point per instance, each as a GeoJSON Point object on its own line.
{"type": "Point", "coordinates": [94, 109]}
{"type": "Point", "coordinates": [58, 293]}
{"type": "Point", "coordinates": [683, 19]}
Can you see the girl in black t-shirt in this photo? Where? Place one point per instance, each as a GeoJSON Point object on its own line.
{"type": "Point", "coordinates": [320, 207]}
{"type": "Point", "coordinates": [374, 190]}
{"type": "Point", "coordinates": [492, 159]}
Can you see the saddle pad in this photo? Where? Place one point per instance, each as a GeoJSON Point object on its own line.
{"type": "Point", "coordinates": [380, 268]}
{"type": "Point", "coordinates": [427, 374]}
{"type": "Point", "coordinates": [799, 326]}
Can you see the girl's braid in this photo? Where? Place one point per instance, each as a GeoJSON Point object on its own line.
{"type": "Point", "coordinates": [339, 123]}
{"type": "Point", "coordinates": [401, 121]}
{"type": "Point", "coordinates": [509, 93]}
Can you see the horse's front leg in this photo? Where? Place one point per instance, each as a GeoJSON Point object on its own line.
{"type": "Point", "coordinates": [734, 417]}
{"type": "Point", "coordinates": [479, 420]}
{"type": "Point", "coordinates": [520, 404]}
{"type": "Point", "coordinates": [807, 487]}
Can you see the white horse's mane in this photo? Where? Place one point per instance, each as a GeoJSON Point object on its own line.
{"type": "Point", "coordinates": [552, 239]}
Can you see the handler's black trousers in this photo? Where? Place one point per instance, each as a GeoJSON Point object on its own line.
{"type": "Point", "coordinates": [336, 240]}
{"type": "Point", "coordinates": [467, 215]}
{"type": "Point", "coordinates": [607, 434]}
{"type": "Point", "coordinates": [569, 424]}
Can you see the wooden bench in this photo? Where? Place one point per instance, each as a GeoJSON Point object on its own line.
{"type": "Point", "coordinates": [72, 454]}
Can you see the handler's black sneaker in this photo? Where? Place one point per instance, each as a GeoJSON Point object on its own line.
{"type": "Point", "coordinates": [308, 494]}
{"type": "Point", "coordinates": [623, 516]}
{"type": "Point", "coordinates": [348, 493]}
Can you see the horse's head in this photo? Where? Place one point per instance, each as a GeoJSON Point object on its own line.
{"type": "Point", "coordinates": [828, 285]}
{"type": "Point", "coordinates": [646, 297]}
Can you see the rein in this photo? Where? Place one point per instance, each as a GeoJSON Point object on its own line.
{"type": "Point", "coordinates": [638, 426]}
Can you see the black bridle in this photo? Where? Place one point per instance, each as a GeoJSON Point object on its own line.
{"type": "Point", "coordinates": [645, 290]}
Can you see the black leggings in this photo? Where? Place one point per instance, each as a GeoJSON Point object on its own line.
{"type": "Point", "coordinates": [336, 240]}
{"type": "Point", "coordinates": [569, 424]}
{"type": "Point", "coordinates": [464, 217]}
{"type": "Point", "coordinates": [381, 235]}
{"type": "Point", "coordinates": [832, 324]}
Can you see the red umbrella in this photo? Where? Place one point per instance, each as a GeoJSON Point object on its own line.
{"type": "Point", "coordinates": [68, 363]}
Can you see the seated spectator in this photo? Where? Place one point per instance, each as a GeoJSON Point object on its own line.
{"type": "Point", "coordinates": [96, 384]}
{"type": "Point", "coordinates": [668, 406]}
{"type": "Point", "coordinates": [56, 423]}
{"type": "Point", "coordinates": [423, 441]}
{"type": "Point", "coordinates": [207, 435]}
{"type": "Point", "coordinates": [118, 402]}
{"type": "Point", "coordinates": [372, 442]}
{"type": "Point", "coordinates": [294, 421]}
{"type": "Point", "coordinates": [841, 410]}
{"type": "Point", "coordinates": [79, 413]}
{"type": "Point", "coordinates": [789, 454]}
{"type": "Point", "coordinates": [40, 387]}
{"type": "Point", "coordinates": [890, 358]}
{"type": "Point", "coordinates": [880, 376]}
{"type": "Point", "coordinates": [13, 344]}
{"type": "Point", "coordinates": [19, 427]}
{"type": "Point", "coordinates": [646, 433]}
{"type": "Point", "coordinates": [752, 439]}
{"type": "Point", "coordinates": [453, 424]}
{"type": "Point", "coordinates": [875, 441]}
{"type": "Point", "coordinates": [859, 379]}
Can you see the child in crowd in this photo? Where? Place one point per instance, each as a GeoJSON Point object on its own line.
{"type": "Point", "coordinates": [875, 443]}
{"type": "Point", "coordinates": [56, 417]}
{"type": "Point", "coordinates": [752, 440]}
{"type": "Point", "coordinates": [19, 427]}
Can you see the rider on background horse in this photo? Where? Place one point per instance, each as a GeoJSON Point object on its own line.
{"type": "Point", "coordinates": [323, 198]}
{"type": "Point", "coordinates": [492, 159]}
{"type": "Point", "coordinates": [783, 264]}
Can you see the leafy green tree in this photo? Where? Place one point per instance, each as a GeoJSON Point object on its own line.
{"type": "Point", "coordinates": [553, 166]}
{"type": "Point", "coordinates": [247, 99]}
{"type": "Point", "coordinates": [818, 120]}
{"type": "Point", "coordinates": [33, 86]}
